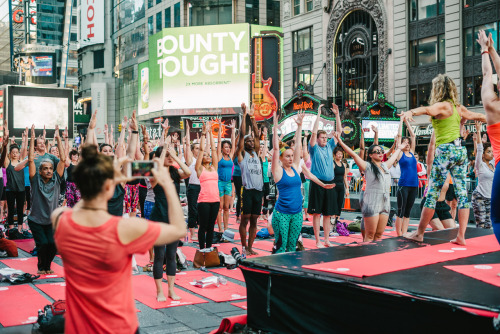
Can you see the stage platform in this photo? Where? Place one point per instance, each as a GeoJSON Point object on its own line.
{"type": "Point", "coordinates": [285, 297]}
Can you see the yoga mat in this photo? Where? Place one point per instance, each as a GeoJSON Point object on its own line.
{"type": "Point", "coordinates": [30, 265]}
{"type": "Point", "coordinates": [189, 252]}
{"type": "Point", "coordinates": [345, 240]}
{"type": "Point", "coordinates": [227, 247]}
{"type": "Point", "coordinates": [487, 273]}
{"type": "Point", "coordinates": [142, 259]}
{"type": "Point", "coordinates": [483, 313]}
{"type": "Point", "coordinates": [232, 273]}
{"type": "Point", "coordinates": [409, 258]}
{"type": "Point", "coordinates": [311, 243]}
{"type": "Point", "coordinates": [242, 305]}
{"type": "Point", "coordinates": [265, 245]}
{"type": "Point", "coordinates": [223, 293]}
{"type": "Point", "coordinates": [20, 304]}
{"type": "Point", "coordinates": [26, 245]}
{"type": "Point", "coordinates": [55, 291]}
{"type": "Point", "coordinates": [145, 292]}
{"type": "Point", "coordinates": [227, 324]}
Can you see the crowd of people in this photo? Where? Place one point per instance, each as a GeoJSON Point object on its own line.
{"type": "Point", "coordinates": [81, 203]}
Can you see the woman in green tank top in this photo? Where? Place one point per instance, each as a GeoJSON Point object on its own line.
{"type": "Point", "coordinates": [446, 115]}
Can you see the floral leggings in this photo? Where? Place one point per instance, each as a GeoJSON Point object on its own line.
{"type": "Point", "coordinates": [131, 197]}
{"type": "Point", "coordinates": [72, 194]}
{"type": "Point", "coordinates": [287, 229]}
{"type": "Point", "coordinates": [482, 207]}
{"type": "Point", "coordinates": [448, 159]}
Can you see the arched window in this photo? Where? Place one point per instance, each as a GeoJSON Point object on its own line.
{"type": "Point", "coordinates": [356, 61]}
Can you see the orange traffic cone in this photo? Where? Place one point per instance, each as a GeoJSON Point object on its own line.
{"type": "Point", "coordinates": [347, 204]}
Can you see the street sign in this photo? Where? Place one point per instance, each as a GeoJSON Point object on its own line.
{"type": "Point", "coordinates": [197, 125]}
{"type": "Point", "coordinates": [158, 120]}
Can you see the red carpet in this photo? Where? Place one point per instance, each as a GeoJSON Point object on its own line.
{"type": "Point", "coordinates": [19, 305]}
{"type": "Point", "coordinates": [29, 265]}
{"type": "Point", "coordinates": [55, 291]}
{"type": "Point", "coordinates": [145, 292]}
{"type": "Point", "coordinates": [232, 273]}
{"type": "Point", "coordinates": [223, 293]}
{"type": "Point", "coordinates": [242, 305]}
{"type": "Point", "coordinates": [487, 273]}
{"type": "Point", "coordinates": [26, 245]}
{"type": "Point", "coordinates": [227, 324]}
{"type": "Point", "coordinates": [407, 259]}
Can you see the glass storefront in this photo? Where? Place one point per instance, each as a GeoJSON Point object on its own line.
{"type": "Point", "coordinates": [126, 12]}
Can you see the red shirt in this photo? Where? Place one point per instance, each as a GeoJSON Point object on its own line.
{"type": "Point", "coordinates": [98, 269]}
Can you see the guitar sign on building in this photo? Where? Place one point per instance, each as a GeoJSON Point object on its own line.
{"type": "Point", "coordinates": [264, 102]}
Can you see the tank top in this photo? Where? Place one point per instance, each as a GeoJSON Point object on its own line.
{"type": "Point", "coordinates": [96, 266]}
{"type": "Point", "coordinates": [115, 204]}
{"type": "Point", "coordinates": [225, 169]}
{"type": "Point", "coordinates": [209, 188]}
{"type": "Point", "coordinates": [251, 171]}
{"type": "Point", "coordinates": [69, 173]}
{"type": "Point", "coordinates": [265, 170]}
{"type": "Point", "coordinates": [409, 174]}
{"type": "Point", "coordinates": [160, 208]}
{"type": "Point", "coordinates": [237, 169]}
{"type": "Point", "coordinates": [448, 129]}
{"type": "Point", "coordinates": [15, 180]}
{"type": "Point", "coordinates": [193, 179]}
{"type": "Point", "coordinates": [290, 195]}
{"type": "Point", "coordinates": [339, 174]}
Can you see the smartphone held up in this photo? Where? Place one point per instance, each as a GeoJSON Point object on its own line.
{"type": "Point", "coordinates": [141, 169]}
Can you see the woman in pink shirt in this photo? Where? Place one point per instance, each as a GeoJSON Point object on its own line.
{"type": "Point", "coordinates": [208, 200]}
{"type": "Point", "coordinates": [97, 248]}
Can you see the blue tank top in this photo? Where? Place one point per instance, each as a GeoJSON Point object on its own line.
{"type": "Point", "coordinates": [225, 169]}
{"type": "Point", "coordinates": [237, 170]}
{"type": "Point", "coordinates": [409, 175]}
{"type": "Point", "coordinates": [290, 196]}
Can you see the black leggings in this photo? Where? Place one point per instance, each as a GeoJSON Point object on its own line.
{"type": "Point", "coordinates": [27, 191]}
{"type": "Point", "coordinates": [339, 192]}
{"type": "Point", "coordinates": [207, 215]}
{"type": "Point", "coordinates": [165, 255]}
{"type": "Point", "coordinates": [15, 200]}
{"type": "Point", "coordinates": [265, 206]}
{"type": "Point", "coordinates": [238, 183]}
{"type": "Point", "coordinates": [193, 191]}
{"type": "Point", "coordinates": [45, 245]}
{"type": "Point", "coordinates": [406, 198]}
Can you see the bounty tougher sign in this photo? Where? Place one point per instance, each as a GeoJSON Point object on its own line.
{"type": "Point", "coordinates": [203, 68]}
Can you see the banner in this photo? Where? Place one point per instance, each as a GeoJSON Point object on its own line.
{"type": "Point", "coordinates": [204, 68]}
{"type": "Point", "coordinates": [99, 95]}
{"type": "Point", "coordinates": [92, 22]}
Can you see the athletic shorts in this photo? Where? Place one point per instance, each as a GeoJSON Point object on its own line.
{"type": "Point", "coordinates": [450, 193]}
{"type": "Point", "coordinates": [321, 200]}
{"type": "Point", "coordinates": [442, 212]}
{"type": "Point", "coordinates": [225, 188]}
{"type": "Point", "coordinates": [252, 202]}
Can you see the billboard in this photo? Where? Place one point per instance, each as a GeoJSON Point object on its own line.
{"type": "Point", "coordinates": [92, 22]}
{"type": "Point", "coordinates": [39, 106]}
{"type": "Point", "coordinates": [199, 69]}
{"type": "Point", "coordinates": [36, 68]}
{"type": "Point", "coordinates": [387, 130]}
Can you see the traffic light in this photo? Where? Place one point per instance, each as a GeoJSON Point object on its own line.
{"type": "Point", "coordinates": [181, 125]}
{"type": "Point", "coordinates": [119, 128]}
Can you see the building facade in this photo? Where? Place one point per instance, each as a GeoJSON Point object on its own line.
{"type": "Point", "coordinates": [348, 51]}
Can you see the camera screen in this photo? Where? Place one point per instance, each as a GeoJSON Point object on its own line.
{"type": "Point", "coordinates": [142, 168]}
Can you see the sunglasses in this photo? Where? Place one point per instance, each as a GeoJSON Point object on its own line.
{"type": "Point", "coordinates": [378, 152]}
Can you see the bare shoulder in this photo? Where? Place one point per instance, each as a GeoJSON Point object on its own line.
{"type": "Point", "coordinates": [57, 212]}
{"type": "Point", "coordinates": [130, 229]}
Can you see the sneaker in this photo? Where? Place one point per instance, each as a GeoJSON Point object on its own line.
{"type": "Point", "coordinates": [3, 253]}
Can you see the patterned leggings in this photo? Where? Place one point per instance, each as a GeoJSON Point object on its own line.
{"type": "Point", "coordinates": [449, 159]}
{"type": "Point", "coordinates": [482, 207]}
{"type": "Point", "coordinates": [286, 231]}
{"type": "Point", "coordinates": [131, 197]}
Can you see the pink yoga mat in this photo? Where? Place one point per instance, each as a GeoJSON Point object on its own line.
{"type": "Point", "coordinates": [26, 245]}
{"type": "Point", "coordinates": [487, 273]}
{"type": "Point", "coordinates": [142, 259]}
{"type": "Point", "coordinates": [145, 292]}
{"type": "Point", "coordinates": [242, 305]}
{"type": "Point", "coordinates": [55, 291]}
{"type": "Point", "coordinates": [223, 293]}
{"type": "Point", "coordinates": [20, 304]}
{"type": "Point", "coordinates": [409, 258]}
{"type": "Point", "coordinates": [30, 265]}
{"type": "Point", "coordinates": [232, 273]}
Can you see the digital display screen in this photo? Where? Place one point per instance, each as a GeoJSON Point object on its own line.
{"type": "Point", "coordinates": [386, 129]}
{"type": "Point", "coordinates": [49, 111]}
{"type": "Point", "coordinates": [35, 66]}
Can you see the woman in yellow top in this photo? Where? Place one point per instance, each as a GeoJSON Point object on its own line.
{"type": "Point", "coordinates": [446, 114]}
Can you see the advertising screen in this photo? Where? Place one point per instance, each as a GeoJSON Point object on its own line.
{"type": "Point", "coordinates": [41, 107]}
{"type": "Point", "coordinates": [196, 68]}
{"type": "Point", "coordinates": [386, 129]}
{"type": "Point", "coordinates": [36, 68]}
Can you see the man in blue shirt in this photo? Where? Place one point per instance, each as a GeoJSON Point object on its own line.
{"type": "Point", "coordinates": [322, 201]}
